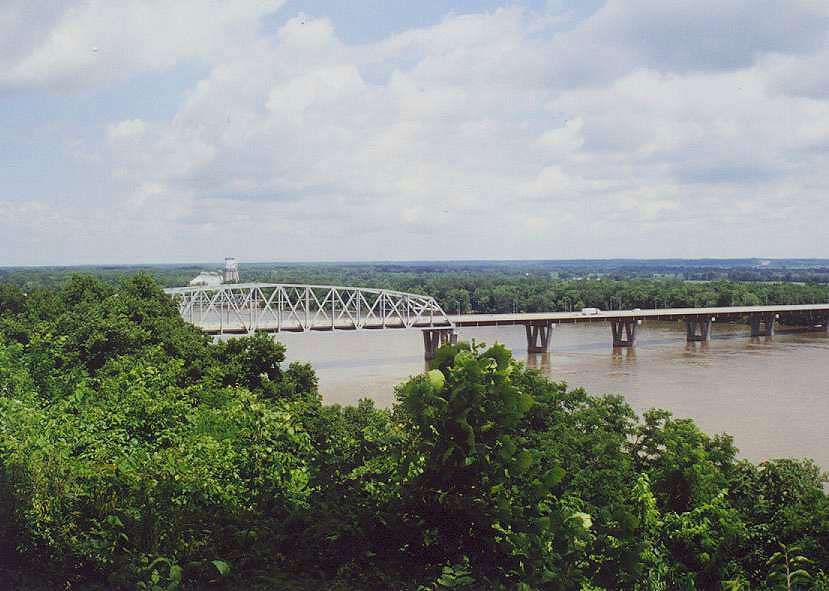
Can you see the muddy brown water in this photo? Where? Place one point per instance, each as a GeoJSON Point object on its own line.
{"type": "Point", "coordinates": [772, 395]}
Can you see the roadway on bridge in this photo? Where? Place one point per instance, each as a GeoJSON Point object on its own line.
{"type": "Point", "coordinates": [461, 320]}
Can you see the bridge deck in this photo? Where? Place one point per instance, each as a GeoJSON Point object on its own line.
{"type": "Point", "coordinates": [246, 307]}
{"type": "Point", "coordinates": [243, 307]}
{"type": "Point", "coordinates": [656, 314]}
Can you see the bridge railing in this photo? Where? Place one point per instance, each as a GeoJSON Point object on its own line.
{"type": "Point", "coordinates": [242, 308]}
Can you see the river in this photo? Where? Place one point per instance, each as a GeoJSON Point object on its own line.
{"type": "Point", "coordinates": [772, 395]}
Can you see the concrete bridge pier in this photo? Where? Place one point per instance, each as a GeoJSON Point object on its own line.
{"type": "Point", "coordinates": [624, 331]}
{"type": "Point", "coordinates": [538, 336]}
{"type": "Point", "coordinates": [762, 324]}
{"type": "Point", "coordinates": [434, 338]}
{"type": "Point", "coordinates": [698, 329]}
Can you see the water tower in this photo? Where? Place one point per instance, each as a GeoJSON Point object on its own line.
{"type": "Point", "coordinates": [231, 270]}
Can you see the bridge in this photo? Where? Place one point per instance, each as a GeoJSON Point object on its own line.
{"type": "Point", "coordinates": [243, 308]}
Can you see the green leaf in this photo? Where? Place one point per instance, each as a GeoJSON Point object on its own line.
{"type": "Point", "coordinates": [436, 379]}
{"type": "Point", "coordinates": [553, 476]}
{"type": "Point", "coordinates": [508, 447]}
{"type": "Point", "coordinates": [523, 461]}
{"type": "Point", "coordinates": [175, 573]}
{"type": "Point", "coordinates": [222, 567]}
{"type": "Point", "coordinates": [525, 402]}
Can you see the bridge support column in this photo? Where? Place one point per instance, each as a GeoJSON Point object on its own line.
{"type": "Point", "coordinates": [624, 331]}
{"type": "Point", "coordinates": [538, 336]}
{"type": "Point", "coordinates": [434, 338]}
{"type": "Point", "coordinates": [762, 324]}
{"type": "Point", "coordinates": [698, 328]}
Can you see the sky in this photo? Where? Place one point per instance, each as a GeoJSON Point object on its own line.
{"type": "Point", "coordinates": [150, 131]}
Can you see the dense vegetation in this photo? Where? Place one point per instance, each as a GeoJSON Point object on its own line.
{"type": "Point", "coordinates": [498, 287]}
{"type": "Point", "coordinates": [496, 293]}
{"type": "Point", "coordinates": [744, 270]}
{"type": "Point", "coordinates": [137, 453]}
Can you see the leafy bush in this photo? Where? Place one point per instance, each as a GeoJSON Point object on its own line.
{"type": "Point", "coordinates": [137, 453]}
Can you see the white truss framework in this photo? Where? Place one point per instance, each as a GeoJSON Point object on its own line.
{"type": "Point", "coordinates": [271, 307]}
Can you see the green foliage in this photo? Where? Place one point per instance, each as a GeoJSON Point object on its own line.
{"type": "Point", "coordinates": [12, 300]}
{"type": "Point", "coordinates": [116, 458]}
{"type": "Point", "coordinates": [252, 362]}
{"type": "Point", "coordinates": [524, 286]}
{"type": "Point", "coordinates": [788, 569]}
{"type": "Point", "coordinates": [476, 494]}
{"type": "Point", "coordinates": [137, 453]}
{"type": "Point", "coordinates": [455, 576]}
{"type": "Point", "coordinates": [158, 574]}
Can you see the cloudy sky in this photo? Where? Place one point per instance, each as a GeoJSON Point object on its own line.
{"type": "Point", "coordinates": [158, 131]}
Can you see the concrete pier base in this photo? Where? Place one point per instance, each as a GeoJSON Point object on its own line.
{"type": "Point", "coordinates": [624, 331]}
{"type": "Point", "coordinates": [762, 325]}
{"type": "Point", "coordinates": [434, 338]}
{"type": "Point", "coordinates": [698, 329]}
{"type": "Point", "coordinates": [538, 336]}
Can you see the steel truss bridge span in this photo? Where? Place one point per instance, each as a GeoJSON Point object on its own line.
{"type": "Point", "coordinates": [271, 307]}
{"type": "Point", "coordinates": [242, 308]}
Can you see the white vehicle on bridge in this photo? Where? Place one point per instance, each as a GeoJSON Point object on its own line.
{"type": "Point", "coordinates": [590, 311]}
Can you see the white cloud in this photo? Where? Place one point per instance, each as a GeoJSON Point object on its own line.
{"type": "Point", "coordinates": [708, 35]}
{"type": "Point", "coordinates": [801, 75]}
{"type": "Point", "coordinates": [565, 139]}
{"type": "Point", "coordinates": [644, 131]}
{"type": "Point", "coordinates": [454, 137]}
{"type": "Point", "coordinates": [79, 44]}
{"type": "Point", "coordinates": [129, 128]}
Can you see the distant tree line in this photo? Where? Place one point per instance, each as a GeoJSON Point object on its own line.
{"type": "Point", "coordinates": [496, 288]}
{"type": "Point", "coordinates": [499, 293]}
{"type": "Point", "coordinates": [136, 453]}
{"type": "Point", "coordinates": [753, 270]}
